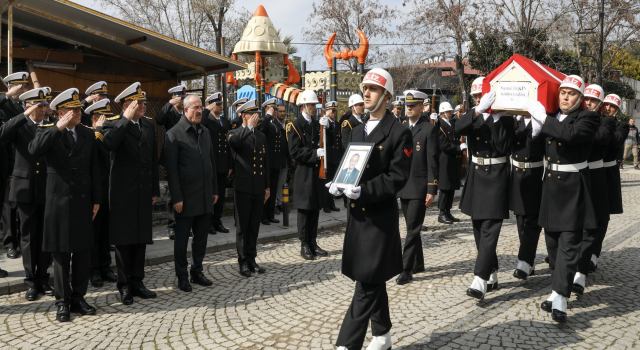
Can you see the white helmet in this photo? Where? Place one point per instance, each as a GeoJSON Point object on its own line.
{"type": "Point", "coordinates": [476, 86]}
{"type": "Point", "coordinates": [594, 91]}
{"type": "Point", "coordinates": [613, 99]}
{"type": "Point", "coordinates": [355, 99]}
{"type": "Point", "coordinates": [574, 82]}
{"type": "Point", "coordinates": [445, 107]}
{"type": "Point", "coordinates": [458, 107]}
{"type": "Point", "coordinates": [380, 77]}
{"type": "Point", "coordinates": [307, 96]}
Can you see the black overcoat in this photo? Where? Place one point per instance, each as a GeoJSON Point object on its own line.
{"type": "Point", "coordinates": [73, 186]}
{"type": "Point", "coordinates": [526, 184]}
{"type": "Point", "coordinates": [486, 192]}
{"type": "Point", "coordinates": [450, 156]}
{"type": "Point", "coordinates": [190, 166]}
{"type": "Point", "coordinates": [218, 133]}
{"type": "Point", "coordinates": [348, 123]}
{"type": "Point", "coordinates": [614, 189]}
{"type": "Point", "coordinates": [308, 189]}
{"type": "Point", "coordinates": [249, 150]}
{"type": "Point", "coordinates": [134, 179]}
{"type": "Point", "coordinates": [276, 141]}
{"type": "Point", "coordinates": [372, 250]}
{"type": "Point", "coordinates": [598, 176]}
{"type": "Point", "coordinates": [566, 199]}
{"type": "Point", "coordinates": [423, 177]}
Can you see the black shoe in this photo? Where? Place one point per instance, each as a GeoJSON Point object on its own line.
{"type": "Point", "coordinates": [442, 218]}
{"type": "Point", "coordinates": [424, 228]}
{"type": "Point", "coordinates": [109, 276]}
{"type": "Point", "coordinates": [201, 279]}
{"type": "Point", "coordinates": [265, 222]}
{"type": "Point", "coordinates": [221, 228]}
{"type": "Point", "coordinates": [519, 274]}
{"type": "Point", "coordinates": [46, 290]}
{"type": "Point", "coordinates": [112, 248]}
{"type": "Point", "coordinates": [255, 267]}
{"type": "Point", "coordinates": [592, 267]}
{"type": "Point", "coordinates": [404, 278]}
{"type": "Point", "coordinates": [81, 307]}
{"type": "Point", "coordinates": [125, 296]}
{"type": "Point", "coordinates": [334, 208]}
{"type": "Point", "coordinates": [12, 253]}
{"type": "Point", "coordinates": [212, 230]}
{"type": "Point", "coordinates": [275, 221]}
{"type": "Point", "coordinates": [546, 305]}
{"type": "Point", "coordinates": [326, 210]}
{"type": "Point", "coordinates": [63, 314]}
{"type": "Point", "coordinates": [559, 316]}
{"type": "Point", "coordinates": [31, 294]}
{"type": "Point", "coordinates": [448, 214]}
{"type": "Point", "coordinates": [172, 235]}
{"type": "Point", "coordinates": [319, 251]}
{"type": "Point", "coordinates": [277, 211]}
{"type": "Point", "coordinates": [143, 293]}
{"type": "Point", "coordinates": [96, 281]}
{"type": "Point", "coordinates": [578, 289]}
{"type": "Point", "coordinates": [184, 285]}
{"type": "Point", "coordinates": [3, 273]}
{"type": "Point", "coordinates": [546, 259]}
{"type": "Point", "coordinates": [417, 269]}
{"type": "Point", "coordinates": [306, 253]}
{"type": "Point", "coordinates": [474, 293]}
{"type": "Point", "coordinates": [244, 270]}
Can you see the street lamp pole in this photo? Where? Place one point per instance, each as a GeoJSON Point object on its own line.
{"type": "Point", "coordinates": [601, 43]}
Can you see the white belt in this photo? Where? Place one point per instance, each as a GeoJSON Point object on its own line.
{"type": "Point", "coordinates": [526, 165]}
{"type": "Point", "coordinates": [568, 168]}
{"type": "Point", "coordinates": [611, 163]}
{"type": "Point", "coordinates": [488, 161]}
{"type": "Point", "coordinates": [596, 165]}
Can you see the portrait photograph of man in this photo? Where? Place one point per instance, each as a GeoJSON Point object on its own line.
{"type": "Point", "coordinates": [352, 165]}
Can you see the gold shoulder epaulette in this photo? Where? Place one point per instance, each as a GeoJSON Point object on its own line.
{"type": "Point", "coordinates": [148, 117]}
{"type": "Point", "coordinates": [114, 118]}
{"type": "Point", "coordinates": [45, 125]}
{"type": "Point", "coordinates": [99, 136]}
{"type": "Point", "coordinates": [88, 127]}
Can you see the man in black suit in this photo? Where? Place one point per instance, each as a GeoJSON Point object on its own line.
{"type": "Point", "coordinates": [398, 107]}
{"type": "Point", "coordinates": [17, 84]}
{"type": "Point", "coordinates": [190, 164]}
{"type": "Point", "coordinates": [451, 149]}
{"type": "Point", "coordinates": [421, 189]}
{"type": "Point", "coordinates": [95, 93]}
{"type": "Point", "coordinates": [275, 134]}
{"type": "Point", "coordinates": [350, 175]}
{"type": "Point", "coordinates": [284, 157]}
{"type": "Point", "coordinates": [251, 191]}
{"type": "Point", "coordinates": [131, 138]}
{"type": "Point", "coordinates": [218, 127]}
{"type": "Point", "coordinates": [72, 160]}
{"type": "Point", "coordinates": [100, 252]}
{"type": "Point", "coordinates": [352, 119]}
{"type": "Point", "coordinates": [28, 188]}
{"type": "Point", "coordinates": [334, 150]}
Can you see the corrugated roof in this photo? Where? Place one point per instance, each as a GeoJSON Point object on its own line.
{"type": "Point", "coordinates": [73, 23]}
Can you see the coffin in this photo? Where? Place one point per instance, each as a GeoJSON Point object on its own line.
{"type": "Point", "coordinates": [519, 80]}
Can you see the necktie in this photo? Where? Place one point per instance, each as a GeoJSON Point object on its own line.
{"type": "Point", "coordinates": [70, 139]}
{"type": "Point", "coordinates": [410, 127]}
{"type": "Point", "coordinates": [220, 120]}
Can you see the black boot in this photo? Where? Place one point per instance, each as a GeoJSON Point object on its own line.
{"type": "Point", "coordinates": [306, 252]}
{"type": "Point", "coordinates": [448, 213]}
{"type": "Point", "coordinates": [442, 218]}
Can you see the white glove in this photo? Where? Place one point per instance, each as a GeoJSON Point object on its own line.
{"type": "Point", "coordinates": [536, 125]}
{"type": "Point", "coordinates": [320, 152]}
{"type": "Point", "coordinates": [352, 192]}
{"type": "Point", "coordinates": [537, 111]}
{"type": "Point", "coordinates": [486, 101]}
{"type": "Point", "coordinates": [497, 116]}
{"type": "Point", "coordinates": [463, 146]}
{"type": "Point", "coordinates": [485, 115]}
{"type": "Point", "coordinates": [433, 116]}
{"type": "Point", "coordinates": [518, 117]}
{"type": "Point", "coordinates": [324, 121]}
{"type": "Point", "coordinates": [333, 189]}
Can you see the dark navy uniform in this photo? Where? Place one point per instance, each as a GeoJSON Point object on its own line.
{"type": "Point", "coordinates": [348, 123]}
{"type": "Point", "coordinates": [423, 180]}
{"type": "Point", "coordinates": [275, 136]}
{"type": "Point", "coordinates": [527, 168]}
{"type": "Point", "coordinates": [333, 157]}
{"type": "Point", "coordinates": [450, 166]}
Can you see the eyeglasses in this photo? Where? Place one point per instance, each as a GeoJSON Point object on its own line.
{"type": "Point", "coordinates": [196, 107]}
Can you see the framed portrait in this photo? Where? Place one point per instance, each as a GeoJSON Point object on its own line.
{"type": "Point", "coordinates": [352, 164]}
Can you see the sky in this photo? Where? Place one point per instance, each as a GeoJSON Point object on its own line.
{"type": "Point", "coordinates": [288, 15]}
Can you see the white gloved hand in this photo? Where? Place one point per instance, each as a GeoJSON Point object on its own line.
{"type": "Point", "coordinates": [486, 101]}
{"type": "Point", "coordinates": [463, 146]}
{"type": "Point", "coordinates": [352, 192]}
{"type": "Point", "coordinates": [334, 190]}
{"type": "Point", "coordinates": [537, 111]}
{"type": "Point", "coordinates": [536, 126]}
{"type": "Point", "coordinates": [497, 116]}
{"type": "Point", "coordinates": [320, 152]}
{"type": "Point", "coordinates": [518, 117]}
{"type": "Point", "coordinates": [433, 116]}
{"type": "Point", "coordinates": [324, 121]}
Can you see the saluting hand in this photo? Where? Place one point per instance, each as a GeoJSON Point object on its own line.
{"type": "Point", "coordinates": [267, 194]}
{"type": "Point", "coordinates": [429, 200]}
{"type": "Point", "coordinates": [210, 107]}
{"type": "Point", "coordinates": [253, 120]}
{"type": "Point", "coordinates": [31, 109]}
{"type": "Point", "coordinates": [64, 121]}
{"type": "Point", "coordinates": [270, 111]}
{"type": "Point", "coordinates": [131, 110]}
{"type": "Point", "coordinates": [91, 98]}
{"type": "Point", "coordinates": [13, 91]}
{"type": "Point", "coordinates": [100, 121]}
{"type": "Point", "coordinates": [96, 207]}
{"type": "Point", "coordinates": [174, 101]}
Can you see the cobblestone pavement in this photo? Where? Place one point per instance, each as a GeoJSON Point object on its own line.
{"type": "Point", "coordinates": [300, 305]}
